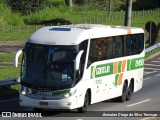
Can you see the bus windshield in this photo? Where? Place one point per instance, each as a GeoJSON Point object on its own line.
{"type": "Point", "coordinates": [48, 67]}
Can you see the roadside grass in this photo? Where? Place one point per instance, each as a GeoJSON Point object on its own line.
{"type": "Point", "coordinates": [16, 33]}
{"type": "Point", "coordinates": [9, 72]}
{"type": "Point", "coordinates": [15, 87]}
{"type": "Point", "coordinates": [153, 52]}
{"type": "Point", "coordinates": [8, 57]}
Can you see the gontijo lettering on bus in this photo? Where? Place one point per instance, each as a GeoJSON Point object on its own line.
{"type": "Point", "coordinates": [117, 68]}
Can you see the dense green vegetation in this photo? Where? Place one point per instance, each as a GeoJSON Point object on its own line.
{"type": "Point", "coordinates": [7, 16]}
{"type": "Point", "coordinates": [35, 11]}
{"type": "Point", "coordinates": [146, 4]}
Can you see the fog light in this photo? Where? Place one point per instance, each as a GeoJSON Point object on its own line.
{"type": "Point", "coordinates": [70, 103]}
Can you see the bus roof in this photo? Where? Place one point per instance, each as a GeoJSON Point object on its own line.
{"type": "Point", "coordinates": [75, 34]}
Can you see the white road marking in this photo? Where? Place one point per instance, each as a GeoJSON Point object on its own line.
{"type": "Point", "coordinates": [155, 61]}
{"type": "Point", "coordinates": [151, 69]}
{"type": "Point", "coordinates": [157, 75]}
{"type": "Point", "coordinates": [9, 100]}
{"type": "Point", "coordinates": [146, 73]}
{"type": "Point", "coordinates": [151, 65]}
{"type": "Point", "coordinates": [138, 103]}
{"type": "Point", "coordinates": [146, 78]}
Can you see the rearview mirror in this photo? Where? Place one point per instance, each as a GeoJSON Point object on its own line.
{"type": "Point", "coordinates": [16, 58]}
{"type": "Point", "coordinates": [77, 60]}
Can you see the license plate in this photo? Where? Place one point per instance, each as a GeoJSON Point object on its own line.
{"type": "Point", "coordinates": [44, 103]}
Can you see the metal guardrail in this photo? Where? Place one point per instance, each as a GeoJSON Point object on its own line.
{"type": "Point", "coordinates": [10, 81]}
{"type": "Point", "coordinates": [151, 48]}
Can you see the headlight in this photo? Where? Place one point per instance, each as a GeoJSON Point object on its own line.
{"type": "Point", "coordinates": [24, 90]}
{"type": "Point", "coordinates": [69, 94]}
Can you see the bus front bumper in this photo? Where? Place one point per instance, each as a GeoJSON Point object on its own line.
{"type": "Point", "coordinates": [66, 103]}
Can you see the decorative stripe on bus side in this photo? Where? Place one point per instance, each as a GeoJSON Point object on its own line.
{"type": "Point", "coordinates": [121, 69]}
{"type": "Point", "coordinates": [123, 65]}
{"type": "Point", "coordinates": [118, 79]}
{"type": "Point", "coordinates": [117, 68]}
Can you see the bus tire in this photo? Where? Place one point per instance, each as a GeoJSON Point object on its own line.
{"type": "Point", "coordinates": [85, 106]}
{"type": "Point", "coordinates": [123, 97]}
{"type": "Point", "coordinates": [129, 92]}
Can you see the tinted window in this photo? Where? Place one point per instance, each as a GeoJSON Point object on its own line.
{"type": "Point", "coordinates": [118, 47]}
{"type": "Point", "coordinates": [114, 47]}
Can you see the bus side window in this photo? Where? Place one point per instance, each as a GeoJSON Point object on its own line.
{"type": "Point", "coordinates": [124, 45]}
{"type": "Point", "coordinates": [109, 48]}
{"type": "Point", "coordinates": [128, 45]}
{"type": "Point", "coordinates": [105, 47]}
{"type": "Point", "coordinates": [92, 52]}
{"type": "Point", "coordinates": [141, 42]}
{"type": "Point", "coordinates": [83, 46]}
{"type": "Point", "coordinates": [118, 47]}
{"type": "Point", "coordinates": [99, 49]}
{"type": "Point", "coordinates": [135, 46]}
{"type": "Point", "coordinates": [137, 39]}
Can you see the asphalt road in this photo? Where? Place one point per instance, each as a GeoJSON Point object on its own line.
{"type": "Point", "coordinates": [147, 99]}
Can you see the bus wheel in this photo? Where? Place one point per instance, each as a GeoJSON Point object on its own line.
{"type": "Point", "coordinates": [129, 92]}
{"type": "Point", "coordinates": [122, 98]}
{"type": "Point", "coordinates": [85, 106]}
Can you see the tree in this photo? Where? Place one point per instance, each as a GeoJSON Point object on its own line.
{"type": "Point", "coordinates": [26, 6]}
{"type": "Point", "coordinates": [145, 4]}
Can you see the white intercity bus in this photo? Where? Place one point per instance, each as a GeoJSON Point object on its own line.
{"type": "Point", "coordinates": [73, 66]}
